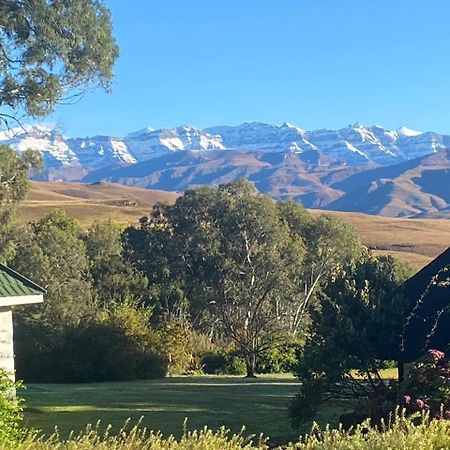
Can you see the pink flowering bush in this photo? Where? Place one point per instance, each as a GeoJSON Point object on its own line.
{"type": "Point", "coordinates": [427, 386]}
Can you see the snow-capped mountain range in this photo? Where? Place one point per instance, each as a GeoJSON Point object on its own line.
{"type": "Point", "coordinates": [68, 158]}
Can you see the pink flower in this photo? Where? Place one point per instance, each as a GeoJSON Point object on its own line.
{"type": "Point", "coordinates": [435, 355]}
{"type": "Point", "coordinates": [406, 399]}
{"type": "Point", "coordinates": [422, 405]}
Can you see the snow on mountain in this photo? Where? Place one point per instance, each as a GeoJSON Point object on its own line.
{"type": "Point", "coordinates": [71, 158]}
{"type": "Point", "coordinates": [261, 136]}
{"type": "Point", "coordinates": [52, 145]}
{"type": "Point", "coordinates": [100, 151]}
{"type": "Point", "coordinates": [403, 131]}
{"type": "Point", "coordinates": [150, 143]}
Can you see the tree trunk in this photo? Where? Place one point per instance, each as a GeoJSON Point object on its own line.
{"type": "Point", "coordinates": [401, 371]}
{"type": "Point", "coordinates": [250, 361]}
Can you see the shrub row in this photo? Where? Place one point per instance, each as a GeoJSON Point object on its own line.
{"type": "Point", "coordinates": [279, 359]}
{"type": "Point", "coordinates": [403, 434]}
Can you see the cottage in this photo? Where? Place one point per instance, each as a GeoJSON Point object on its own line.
{"type": "Point", "coordinates": [428, 324]}
{"type": "Point", "coordinates": [15, 290]}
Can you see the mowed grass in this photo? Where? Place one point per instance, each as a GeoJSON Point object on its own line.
{"type": "Point", "coordinates": [260, 405]}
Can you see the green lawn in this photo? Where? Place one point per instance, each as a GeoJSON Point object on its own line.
{"type": "Point", "coordinates": [258, 404]}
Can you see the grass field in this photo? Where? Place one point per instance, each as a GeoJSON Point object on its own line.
{"type": "Point", "coordinates": [260, 405]}
{"type": "Point", "coordinates": [164, 404]}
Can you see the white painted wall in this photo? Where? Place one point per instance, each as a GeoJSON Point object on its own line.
{"type": "Point", "coordinates": [6, 341]}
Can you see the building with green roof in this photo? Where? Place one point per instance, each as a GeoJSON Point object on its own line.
{"type": "Point", "coordinates": [15, 289]}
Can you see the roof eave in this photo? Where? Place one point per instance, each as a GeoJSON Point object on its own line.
{"type": "Point", "coordinates": [6, 302]}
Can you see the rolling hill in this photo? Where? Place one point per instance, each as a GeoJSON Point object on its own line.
{"type": "Point", "coordinates": [88, 203]}
{"type": "Point", "coordinates": [415, 188]}
{"type": "Point", "coordinates": [416, 241]}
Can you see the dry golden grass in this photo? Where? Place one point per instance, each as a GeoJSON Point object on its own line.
{"type": "Point", "coordinates": [88, 203]}
{"type": "Point", "coordinates": [416, 241]}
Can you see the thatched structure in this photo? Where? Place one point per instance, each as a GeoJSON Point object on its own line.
{"type": "Point", "coordinates": [428, 324]}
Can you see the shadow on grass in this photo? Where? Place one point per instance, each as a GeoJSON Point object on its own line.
{"type": "Point", "coordinates": [260, 405]}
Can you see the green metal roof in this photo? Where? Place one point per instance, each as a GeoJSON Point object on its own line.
{"type": "Point", "coordinates": [12, 284]}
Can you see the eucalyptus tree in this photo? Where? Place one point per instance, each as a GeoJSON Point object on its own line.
{"type": "Point", "coordinates": [13, 188]}
{"type": "Point", "coordinates": [51, 252]}
{"type": "Point", "coordinates": [223, 256]}
{"type": "Point", "coordinates": [329, 243]}
{"type": "Point", "coordinates": [52, 51]}
{"type": "Point", "coordinates": [113, 280]}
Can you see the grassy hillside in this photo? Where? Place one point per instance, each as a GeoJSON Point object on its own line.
{"type": "Point", "coordinates": [416, 241]}
{"type": "Point", "coordinates": [88, 203]}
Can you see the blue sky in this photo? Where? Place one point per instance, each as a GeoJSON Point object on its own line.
{"type": "Point", "coordinates": [314, 63]}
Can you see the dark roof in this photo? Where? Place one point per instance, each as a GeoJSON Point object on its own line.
{"type": "Point", "coordinates": [428, 324]}
{"type": "Point", "coordinates": [419, 282]}
{"type": "Point", "coordinates": [12, 284]}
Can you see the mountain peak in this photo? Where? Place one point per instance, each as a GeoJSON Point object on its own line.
{"type": "Point", "coordinates": [141, 132]}
{"type": "Point", "coordinates": [407, 132]}
{"type": "Point", "coordinates": [291, 126]}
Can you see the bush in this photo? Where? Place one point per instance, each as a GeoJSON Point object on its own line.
{"type": "Point", "coordinates": [427, 386]}
{"type": "Point", "coordinates": [140, 438]}
{"type": "Point", "coordinates": [117, 344]}
{"type": "Point", "coordinates": [175, 344]}
{"type": "Point", "coordinates": [223, 362]}
{"type": "Point", "coordinates": [401, 434]}
{"type": "Point", "coordinates": [281, 359]}
{"type": "Point", "coordinates": [10, 412]}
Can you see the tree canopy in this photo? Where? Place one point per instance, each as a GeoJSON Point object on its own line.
{"type": "Point", "coordinates": [50, 51]}
{"type": "Point", "coordinates": [13, 188]}
{"type": "Point", "coordinates": [237, 263]}
{"type": "Point", "coordinates": [356, 325]}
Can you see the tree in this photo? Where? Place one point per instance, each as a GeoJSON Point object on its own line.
{"type": "Point", "coordinates": [170, 248]}
{"type": "Point", "coordinates": [113, 279]}
{"type": "Point", "coordinates": [13, 188]}
{"type": "Point", "coordinates": [256, 270]}
{"type": "Point", "coordinates": [356, 325]}
{"type": "Point", "coordinates": [52, 50]}
{"type": "Point", "coordinates": [330, 243]}
{"type": "Point", "coordinates": [51, 252]}
{"type": "Point", "coordinates": [49, 49]}
{"type": "Point", "coordinates": [230, 257]}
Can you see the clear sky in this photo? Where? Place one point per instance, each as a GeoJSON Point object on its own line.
{"type": "Point", "coordinates": [314, 63]}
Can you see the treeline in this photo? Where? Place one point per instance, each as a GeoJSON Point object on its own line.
{"type": "Point", "coordinates": [223, 281]}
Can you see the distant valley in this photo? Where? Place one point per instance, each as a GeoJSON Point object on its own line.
{"type": "Point", "coordinates": [394, 173]}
